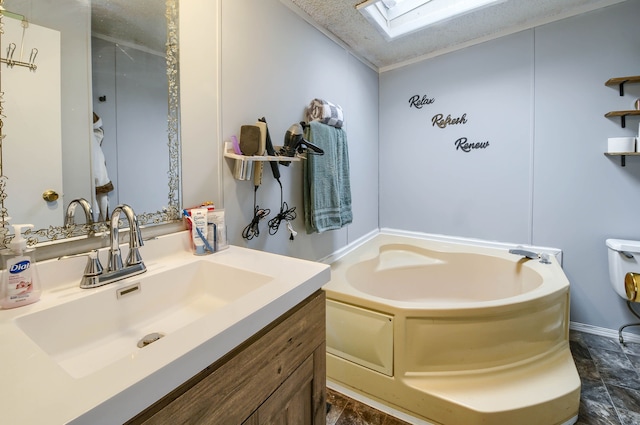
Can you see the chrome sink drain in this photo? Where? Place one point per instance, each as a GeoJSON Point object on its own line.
{"type": "Point", "coordinates": [150, 338]}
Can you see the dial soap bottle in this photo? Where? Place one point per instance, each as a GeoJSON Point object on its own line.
{"type": "Point", "coordinates": [20, 285]}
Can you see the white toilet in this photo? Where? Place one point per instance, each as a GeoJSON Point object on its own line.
{"type": "Point", "coordinates": [624, 257]}
{"type": "Point", "coordinates": [624, 273]}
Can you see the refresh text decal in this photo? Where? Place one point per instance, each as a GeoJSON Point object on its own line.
{"type": "Point", "coordinates": [440, 121]}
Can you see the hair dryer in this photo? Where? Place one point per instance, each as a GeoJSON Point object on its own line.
{"type": "Point", "coordinates": [295, 142]}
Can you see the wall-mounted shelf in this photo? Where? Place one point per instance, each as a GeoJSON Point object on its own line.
{"type": "Point", "coordinates": [263, 158]}
{"type": "Point", "coordinates": [622, 156]}
{"type": "Point", "coordinates": [229, 153]}
{"type": "Point", "coordinates": [622, 115]}
{"type": "Point", "coordinates": [243, 165]}
{"type": "Point", "coordinates": [621, 81]}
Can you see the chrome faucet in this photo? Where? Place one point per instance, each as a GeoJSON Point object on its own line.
{"type": "Point", "coordinates": [135, 239]}
{"type": "Point", "coordinates": [69, 218]}
{"type": "Point", "coordinates": [544, 258]}
{"type": "Point", "coordinates": [525, 253]}
{"type": "Point", "coordinates": [94, 275]}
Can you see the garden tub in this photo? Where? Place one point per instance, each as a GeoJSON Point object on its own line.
{"type": "Point", "coordinates": [452, 333]}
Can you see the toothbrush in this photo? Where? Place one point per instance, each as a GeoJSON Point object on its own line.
{"type": "Point", "coordinates": [206, 242]}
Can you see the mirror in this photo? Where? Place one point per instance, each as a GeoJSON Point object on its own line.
{"type": "Point", "coordinates": [71, 59]}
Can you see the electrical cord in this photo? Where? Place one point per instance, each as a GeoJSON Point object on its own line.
{"type": "Point", "coordinates": [287, 214]}
{"type": "Point", "coordinates": [252, 230]}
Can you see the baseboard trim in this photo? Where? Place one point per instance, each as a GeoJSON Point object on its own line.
{"type": "Point", "coordinates": [349, 247]}
{"type": "Point", "coordinates": [376, 404]}
{"type": "Point", "coordinates": [609, 333]}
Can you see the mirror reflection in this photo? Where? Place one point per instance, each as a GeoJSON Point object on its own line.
{"type": "Point", "coordinates": [95, 116]}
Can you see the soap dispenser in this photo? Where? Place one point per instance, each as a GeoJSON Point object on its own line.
{"type": "Point", "coordinates": [20, 283]}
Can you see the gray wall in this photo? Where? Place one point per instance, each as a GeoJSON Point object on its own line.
{"type": "Point", "coordinates": [273, 64]}
{"type": "Point", "coordinates": [538, 97]}
{"type": "Point", "coordinates": [426, 183]}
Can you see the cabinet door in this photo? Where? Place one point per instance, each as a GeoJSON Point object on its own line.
{"type": "Point", "coordinates": [292, 402]}
{"type": "Point", "coordinates": [252, 420]}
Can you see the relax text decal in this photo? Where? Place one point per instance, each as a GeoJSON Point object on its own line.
{"type": "Point", "coordinates": [418, 102]}
{"type": "Point", "coordinates": [441, 121]}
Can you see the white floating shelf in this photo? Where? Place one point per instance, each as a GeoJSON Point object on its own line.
{"type": "Point", "coordinates": [229, 153]}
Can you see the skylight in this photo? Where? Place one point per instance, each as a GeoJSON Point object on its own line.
{"type": "Point", "coordinates": [395, 18]}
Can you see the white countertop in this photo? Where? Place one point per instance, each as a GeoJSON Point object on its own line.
{"type": "Point", "coordinates": [35, 389]}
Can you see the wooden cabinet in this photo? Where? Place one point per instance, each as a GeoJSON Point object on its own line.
{"type": "Point", "coordinates": [276, 377]}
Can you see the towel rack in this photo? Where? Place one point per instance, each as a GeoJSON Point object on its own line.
{"type": "Point", "coordinates": [11, 63]}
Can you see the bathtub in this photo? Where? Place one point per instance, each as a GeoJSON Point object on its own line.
{"type": "Point", "coordinates": [452, 333]}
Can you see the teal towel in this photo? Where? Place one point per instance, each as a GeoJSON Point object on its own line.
{"type": "Point", "coordinates": [327, 188]}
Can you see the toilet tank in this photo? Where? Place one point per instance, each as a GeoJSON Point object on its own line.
{"type": "Point", "coordinates": [624, 257]}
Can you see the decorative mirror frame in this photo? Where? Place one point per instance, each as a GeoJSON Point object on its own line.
{"type": "Point", "coordinates": [168, 214]}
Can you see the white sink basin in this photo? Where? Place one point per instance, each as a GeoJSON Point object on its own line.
{"type": "Point", "coordinates": [76, 349]}
{"type": "Point", "coordinates": [90, 333]}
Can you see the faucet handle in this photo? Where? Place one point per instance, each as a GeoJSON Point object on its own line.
{"type": "Point", "coordinates": [93, 267]}
{"type": "Point", "coordinates": [92, 271]}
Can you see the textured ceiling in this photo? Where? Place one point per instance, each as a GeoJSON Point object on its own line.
{"type": "Point", "coordinates": [341, 20]}
{"type": "Point", "coordinates": [138, 22]}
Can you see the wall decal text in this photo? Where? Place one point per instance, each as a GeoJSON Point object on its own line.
{"type": "Point", "coordinates": [464, 145]}
{"type": "Point", "coordinates": [440, 121]}
{"type": "Point", "coordinates": [418, 102]}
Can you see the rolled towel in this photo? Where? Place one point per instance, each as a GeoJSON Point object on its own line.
{"type": "Point", "coordinates": [325, 112]}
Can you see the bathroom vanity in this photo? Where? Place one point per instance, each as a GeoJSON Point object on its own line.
{"type": "Point", "coordinates": [243, 340]}
{"type": "Point", "coordinates": [277, 376]}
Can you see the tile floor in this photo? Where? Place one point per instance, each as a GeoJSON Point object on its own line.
{"type": "Point", "coordinates": [610, 375]}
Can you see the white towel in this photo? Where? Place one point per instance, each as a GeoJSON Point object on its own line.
{"type": "Point", "coordinates": [100, 176]}
{"type": "Point", "coordinates": [325, 112]}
